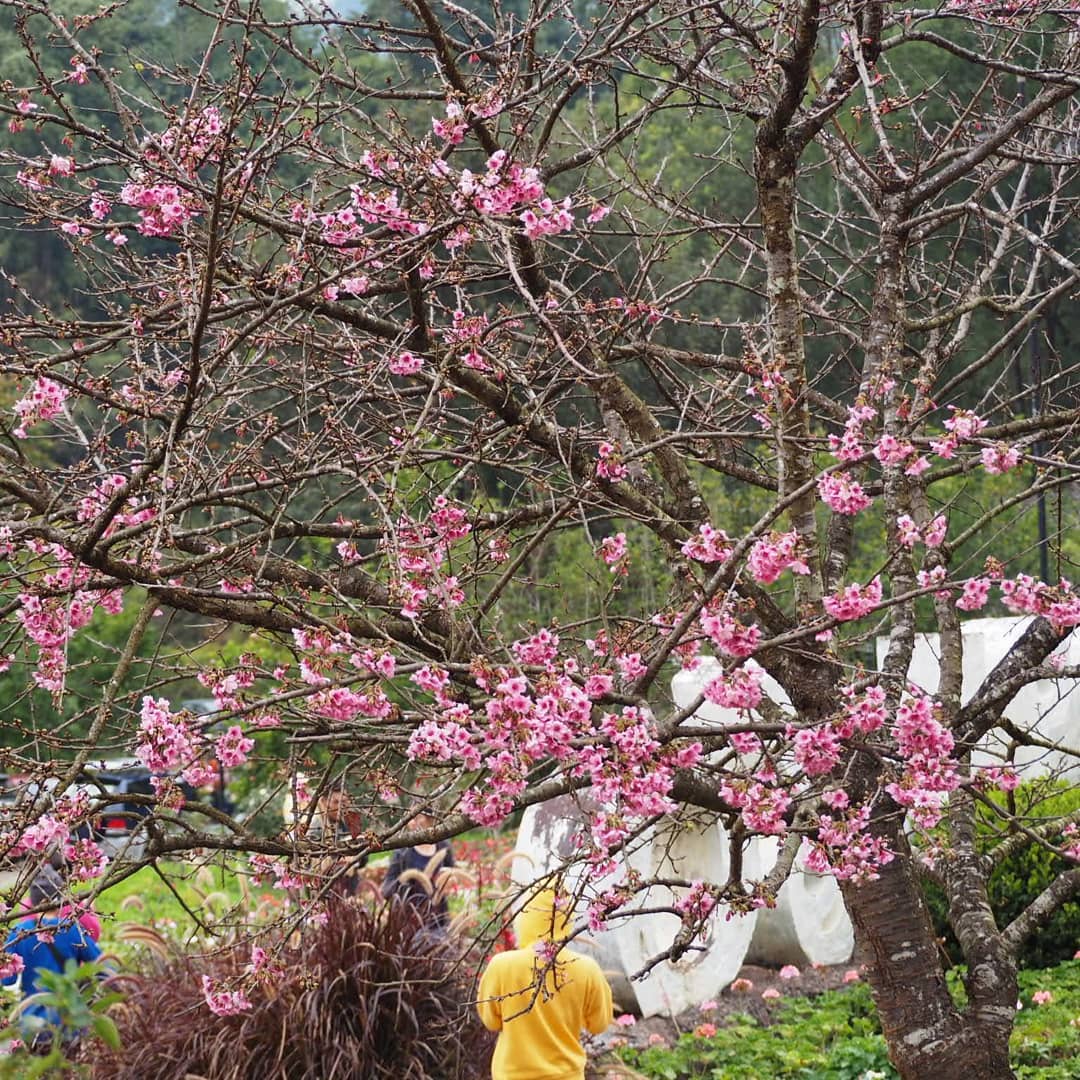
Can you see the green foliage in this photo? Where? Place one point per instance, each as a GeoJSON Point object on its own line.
{"type": "Point", "coordinates": [832, 1037]}
{"type": "Point", "coordinates": [836, 1037]}
{"type": "Point", "coordinates": [164, 898]}
{"type": "Point", "coordinates": [1023, 876]}
{"type": "Point", "coordinates": [77, 996]}
{"type": "Point", "coordinates": [1046, 1043]}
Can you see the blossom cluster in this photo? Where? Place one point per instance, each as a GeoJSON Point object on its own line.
{"type": "Point", "coordinates": [44, 401]}
{"type": "Point", "coordinates": [549, 714]}
{"type": "Point", "coordinates": [854, 601]}
{"type": "Point", "coordinates": [50, 620]}
{"type": "Point", "coordinates": [420, 551]}
{"type": "Point", "coordinates": [1059, 605]}
{"type": "Point", "coordinates": [929, 772]}
{"type": "Point", "coordinates": [708, 546]}
{"type": "Point", "coordinates": [846, 848]}
{"type": "Point", "coordinates": [842, 494]}
{"type": "Point", "coordinates": [610, 466]}
{"type": "Point", "coordinates": [222, 1002]}
{"type": "Point", "coordinates": [773, 554]}
{"type": "Point", "coordinates": [164, 209]}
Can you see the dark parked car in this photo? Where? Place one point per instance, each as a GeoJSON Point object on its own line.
{"type": "Point", "coordinates": [116, 821]}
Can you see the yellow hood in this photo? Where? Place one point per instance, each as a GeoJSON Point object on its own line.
{"type": "Point", "coordinates": [543, 918]}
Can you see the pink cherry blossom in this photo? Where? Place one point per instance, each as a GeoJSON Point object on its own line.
{"type": "Point", "coordinates": [613, 552]}
{"type": "Point", "coordinates": [222, 1002]}
{"type": "Point", "coordinates": [892, 451]}
{"type": "Point", "coordinates": [708, 546]}
{"type": "Point", "coordinates": [10, 965]}
{"type": "Point", "coordinates": [842, 494]}
{"type": "Point", "coordinates": [854, 601]}
{"type": "Point", "coordinates": [964, 424]}
{"type": "Point", "coordinates": [1000, 458]}
{"type": "Point", "coordinates": [975, 594]}
{"type": "Point", "coordinates": [61, 166]}
{"type": "Point", "coordinates": [167, 740]}
{"type": "Point", "coordinates": [817, 750]}
{"type": "Point", "coordinates": [85, 859]}
{"type": "Point", "coordinates": [934, 533]}
{"type": "Point", "coordinates": [405, 363]}
{"type": "Point", "coordinates": [610, 465]}
{"type": "Point", "coordinates": [774, 554]}
{"type": "Point", "coordinates": [44, 401]}
{"type": "Point", "coordinates": [737, 689]}
{"type": "Point", "coordinates": [728, 634]}
{"type": "Point", "coordinates": [232, 748]}
{"type": "Point", "coordinates": [907, 531]}
{"type": "Point", "coordinates": [849, 446]}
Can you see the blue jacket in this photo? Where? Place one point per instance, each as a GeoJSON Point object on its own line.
{"type": "Point", "coordinates": [70, 942]}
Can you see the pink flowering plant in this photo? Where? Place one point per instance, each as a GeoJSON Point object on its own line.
{"type": "Point", "coordinates": [419, 446]}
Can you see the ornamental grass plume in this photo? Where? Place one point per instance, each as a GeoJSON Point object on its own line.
{"type": "Point", "coordinates": [370, 994]}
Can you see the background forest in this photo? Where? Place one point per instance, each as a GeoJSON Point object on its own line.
{"type": "Point", "coordinates": [707, 161]}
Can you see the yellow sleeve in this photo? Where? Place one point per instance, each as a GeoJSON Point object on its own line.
{"type": "Point", "coordinates": [599, 1011]}
{"type": "Point", "coordinates": [489, 1006]}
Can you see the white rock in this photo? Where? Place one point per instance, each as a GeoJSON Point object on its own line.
{"type": "Point", "coordinates": [1049, 708]}
{"type": "Point", "coordinates": [678, 849]}
{"type": "Point", "coordinates": [809, 924]}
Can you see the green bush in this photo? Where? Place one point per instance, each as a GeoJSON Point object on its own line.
{"type": "Point", "coordinates": [1045, 1044]}
{"type": "Point", "coordinates": [1022, 877]}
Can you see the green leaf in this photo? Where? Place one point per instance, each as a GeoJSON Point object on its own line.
{"type": "Point", "coordinates": [105, 1030]}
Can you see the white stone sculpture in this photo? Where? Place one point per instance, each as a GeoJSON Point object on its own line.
{"type": "Point", "coordinates": [809, 924]}
{"type": "Point", "coordinates": [546, 840]}
{"type": "Point", "coordinates": [1049, 708]}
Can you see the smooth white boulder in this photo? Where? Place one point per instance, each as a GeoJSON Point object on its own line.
{"type": "Point", "coordinates": [809, 924]}
{"type": "Point", "coordinates": [683, 849]}
{"type": "Point", "coordinates": [1049, 708]}
{"type": "Point", "coordinates": [687, 686]}
{"type": "Point", "coordinates": [677, 849]}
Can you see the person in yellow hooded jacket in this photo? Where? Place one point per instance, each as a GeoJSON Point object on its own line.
{"type": "Point", "coordinates": [540, 1026]}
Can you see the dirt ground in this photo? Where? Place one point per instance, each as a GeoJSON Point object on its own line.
{"type": "Point", "coordinates": [735, 999]}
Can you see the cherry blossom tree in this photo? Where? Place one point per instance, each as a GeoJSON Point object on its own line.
{"type": "Point", "coordinates": [446, 376]}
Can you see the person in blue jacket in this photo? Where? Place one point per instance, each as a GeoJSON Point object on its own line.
{"type": "Point", "coordinates": [44, 942]}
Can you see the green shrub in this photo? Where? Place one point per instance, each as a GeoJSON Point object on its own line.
{"type": "Point", "coordinates": [1045, 1044]}
{"type": "Point", "coordinates": [1022, 877]}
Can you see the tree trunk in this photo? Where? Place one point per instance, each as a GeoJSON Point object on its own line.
{"type": "Point", "coordinates": [928, 1037]}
